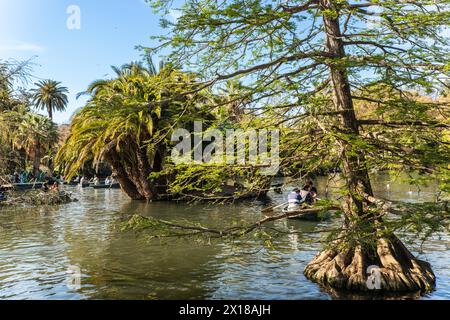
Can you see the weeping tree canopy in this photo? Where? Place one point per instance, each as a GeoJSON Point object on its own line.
{"type": "Point", "coordinates": [359, 85]}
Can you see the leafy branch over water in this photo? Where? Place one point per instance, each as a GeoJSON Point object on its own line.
{"type": "Point", "coordinates": [407, 219]}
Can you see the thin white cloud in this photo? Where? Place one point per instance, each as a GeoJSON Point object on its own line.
{"type": "Point", "coordinates": [19, 46]}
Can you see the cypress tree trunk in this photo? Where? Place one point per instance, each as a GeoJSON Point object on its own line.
{"type": "Point", "coordinates": [346, 267]}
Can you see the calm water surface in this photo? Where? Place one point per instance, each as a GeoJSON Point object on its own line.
{"type": "Point", "coordinates": [37, 245]}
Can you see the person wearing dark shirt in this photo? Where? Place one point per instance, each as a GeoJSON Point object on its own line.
{"type": "Point", "coordinates": [16, 177]}
{"type": "Point", "coordinates": [45, 187]}
{"type": "Point", "coordinates": [313, 189]}
{"type": "Point", "coordinates": [307, 195]}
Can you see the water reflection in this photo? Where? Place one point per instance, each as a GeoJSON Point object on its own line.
{"type": "Point", "coordinates": [38, 244]}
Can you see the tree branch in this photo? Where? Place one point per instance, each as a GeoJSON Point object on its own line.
{"type": "Point", "coordinates": [435, 124]}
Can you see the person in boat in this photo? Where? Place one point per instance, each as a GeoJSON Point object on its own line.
{"type": "Point", "coordinates": [31, 178]}
{"type": "Point", "coordinates": [2, 196]}
{"type": "Point", "coordinates": [313, 192]}
{"type": "Point", "coordinates": [96, 181]}
{"type": "Point", "coordinates": [16, 178]}
{"type": "Point", "coordinates": [108, 181]}
{"type": "Point", "coordinates": [294, 199]}
{"type": "Point", "coordinates": [313, 188]}
{"type": "Point", "coordinates": [41, 177]}
{"type": "Point", "coordinates": [83, 181]}
{"type": "Point", "coordinates": [45, 187]}
{"type": "Point", "coordinates": [307, 194]}
{"type": "Point", "coordinates": [24, 177]}
{"type": "Point", "coordinates": [55, 186]}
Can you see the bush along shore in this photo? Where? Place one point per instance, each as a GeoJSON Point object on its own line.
{"type": "Point", "coordinates": [37, 198]}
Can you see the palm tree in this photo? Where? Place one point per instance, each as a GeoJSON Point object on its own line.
{"type": "Point", "coordinates": [30, 133]}
{"type": "Point", "coordinates": [127, 123]}
{"type": "Point", "coordinates": [36, 135]}
{"type": "Point", "coordinates": [136, 70]}
{"type": "Point", "coordinates": [51, 96]}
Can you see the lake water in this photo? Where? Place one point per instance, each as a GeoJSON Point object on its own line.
{"type": "Point", "coordinates": [38, 245]}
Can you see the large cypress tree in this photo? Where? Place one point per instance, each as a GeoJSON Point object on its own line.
{"type": "Point", "coordinates": [319, 64]}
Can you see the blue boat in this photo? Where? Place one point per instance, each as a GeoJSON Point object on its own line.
{"type": "Point", "coordinates": [106, 186]}
{"type": "Point", "coordinates": [27, 186]}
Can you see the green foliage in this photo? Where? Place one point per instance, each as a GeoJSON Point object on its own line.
{"type": "Point", "coordinates": [38, 198]}
{"type": "Point", "coordinates": [24, 136]}
{"type": "Point", "coordinates": [136, 111]}
{"type": "Point", "coordinates": [392, 60]}
{"type": "Point", "coordinates": [49, 95]}
{"type": "Point", "coordinates": [213, 183]}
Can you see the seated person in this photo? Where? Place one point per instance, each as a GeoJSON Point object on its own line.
{"type": "Point", "coordinates": [307, 195]}
{"type": "Point", "coordinates": [96, 181]}
{"type": "Point", "coordinates": [45, 187]}
{"type": "Point", "coordinates": [313, 188]}
{"type": "Point", "coordinates": [2, 196]}
{"type": "Point", "coordinates": [16, 178]}
{"type": "Point", "coordinates": [313, 192]}
{"type": "Point", "coordinates": [294, 199]}
{"type": "Point", "coordinates": [55, 186]}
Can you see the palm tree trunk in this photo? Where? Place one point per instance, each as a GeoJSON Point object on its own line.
{"type": "Point", "coordinates": [133, 177]}
{"type": "Point", "coordinates": [50, 111]}
{"type": "Point", "coordinates": [348, 268]}
{"type": "Point", "coordinates": [144, 171]}
{"type": "Point", "coordinates": [127, 184]}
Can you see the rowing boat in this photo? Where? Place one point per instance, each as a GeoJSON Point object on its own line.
{"type": "Point", "coordinates": [106, 186]}
{"type": "Point", "coordinates": [22, 186]}
{"type": "Point", "coordinates": [309, 216]}
{"type": "Point", "coordinates": [71, 183]}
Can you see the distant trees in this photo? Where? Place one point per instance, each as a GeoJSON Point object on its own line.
{"type": "Point", "coordinates": [25, 137]}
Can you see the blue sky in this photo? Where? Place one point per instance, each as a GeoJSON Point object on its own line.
{"type": "Point", "coordinates": [110, 31]}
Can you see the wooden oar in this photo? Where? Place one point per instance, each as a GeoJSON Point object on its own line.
{"type": "Point", "coordinates": [275, 207]}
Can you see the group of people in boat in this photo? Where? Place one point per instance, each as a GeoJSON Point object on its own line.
{"type": "Point", "coordinates": [28, 177]}
{"type": "Point", "coordinates": [110, 180]}
{"type": "Point", "coordinates": [49, 183]}
{"type": "Point", "coordinates": [306, 195]}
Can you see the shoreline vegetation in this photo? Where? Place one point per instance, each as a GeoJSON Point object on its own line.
{"type": "Point", "coordinates": [37, 198]}
{"type": "Point", "coordinates": [344, 97]}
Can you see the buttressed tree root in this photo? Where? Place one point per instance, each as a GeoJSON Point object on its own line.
{"type": "Point", "coordinates": [398, 269]}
